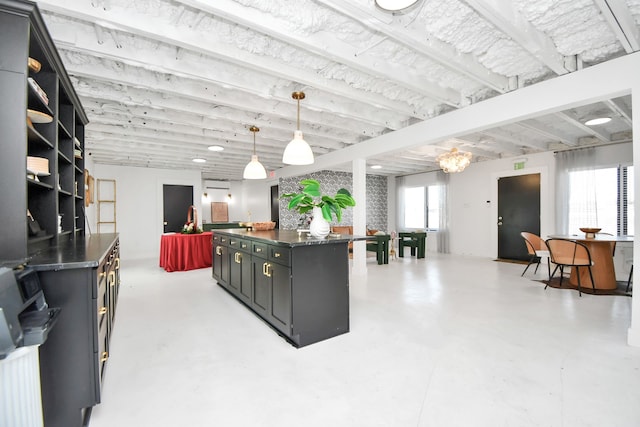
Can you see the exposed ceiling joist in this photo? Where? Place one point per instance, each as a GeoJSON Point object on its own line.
{"type": "Point", "coordinates": [620, 19]}
{"type": "Point", "coordinates": [504, 16]}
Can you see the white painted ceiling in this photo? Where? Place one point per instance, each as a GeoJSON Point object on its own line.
{"type": "Point", "coordinates": [161, 80]}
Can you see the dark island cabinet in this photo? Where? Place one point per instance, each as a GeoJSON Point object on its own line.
{"type": "Point", "coordinates": [299, 286]}
{"type": "Point", "coordinates": [82, 277]}
{"type": "Point", "coordinates": [240, 268]}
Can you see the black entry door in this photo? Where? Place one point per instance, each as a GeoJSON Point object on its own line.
{"type": "Point", "coordinates": [275, 206]}
{"type": "Point", "coordinates": [518, 210]}
{"type": "Point", "coordinates": [175, 203]}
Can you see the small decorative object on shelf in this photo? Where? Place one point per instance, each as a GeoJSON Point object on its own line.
{"type": "Point", "coordinates": [191, 226]}
{"type": "Point", "coordinates": [322, 206]}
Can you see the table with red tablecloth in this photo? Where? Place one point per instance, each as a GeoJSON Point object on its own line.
{"type": "Point", "coordinates": [181, 252]}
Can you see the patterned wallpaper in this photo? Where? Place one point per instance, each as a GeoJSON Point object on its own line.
{"type": "Point", "coordinates": [330, 183]}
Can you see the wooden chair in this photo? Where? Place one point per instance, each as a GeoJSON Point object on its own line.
{"type": "Point", "coordinates": [569, 253]}
{"type": "Point", "coordinates": [537, 249]}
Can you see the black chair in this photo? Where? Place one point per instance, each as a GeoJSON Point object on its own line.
{"type": "Point", "coordinates": [630, 279]}
{"type": "Point", "coordinates": [569, 253]}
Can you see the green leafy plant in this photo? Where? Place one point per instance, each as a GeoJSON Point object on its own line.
{"type": "Point", "coordinates": [311, 197]}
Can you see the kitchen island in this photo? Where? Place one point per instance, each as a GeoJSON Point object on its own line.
{"type": "Point", "coordinates": [298, 284]}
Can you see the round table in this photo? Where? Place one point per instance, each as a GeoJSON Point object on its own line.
{"type": "Point", "coordinates": [181, 252]}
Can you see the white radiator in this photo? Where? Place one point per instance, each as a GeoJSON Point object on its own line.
{"type": "Point", "coordinates": [20, 398]}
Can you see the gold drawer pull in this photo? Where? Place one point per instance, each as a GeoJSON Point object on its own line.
{"type": "Point", "coordinates": [103, 310]}
{"type": "Point", "coordinates": [218, 250]}
{"type": "Point", "coordinates": [118, 263]}
{"type": "Point", "coordinates": [258, 249]}
{"type": "Point", "coordinates": [244, 246]}
{"type": "Point", "coordinates": [277, 255]}
{"type": "Point", "coordinates": [104, 357]}
{"type": "Point", "coordinates": [102, 274]}
{"type": "Point", "coordinates": [112, 278]}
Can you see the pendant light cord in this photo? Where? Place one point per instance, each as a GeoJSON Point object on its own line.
{"type": "Point", "coordinates": [298, 114]}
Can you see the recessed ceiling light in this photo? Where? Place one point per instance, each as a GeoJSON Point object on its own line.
{"type": "Point", "coordinates": [395, 5]}
{"type": "Point", "coordinates": [376, 167]}
{"type": "Point", "coordinates": [215, 148]}
{"type": "Point", "coordinates": [598, 121]}
{"type": "Point", "coordinates": [199, 160]}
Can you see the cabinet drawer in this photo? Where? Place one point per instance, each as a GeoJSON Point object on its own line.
{"type": "Point", "coordinates": [280, 255]}
{"type": "Point", "coordinates": [223, 240]}
{"type": "Point", "coordinates": [235, 242]}
{"type": "Point", "coordinates": [259, 249]}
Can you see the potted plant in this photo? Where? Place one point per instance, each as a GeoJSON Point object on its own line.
{"type": "Point", "coordinates": [324, 207]}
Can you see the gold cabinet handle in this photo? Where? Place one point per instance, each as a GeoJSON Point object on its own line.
{"type": "Point", "coordinates": [267, 266]}
{"type": "Point", "coordinates": [103, 310]}
{"type": "Point", "coordinates": [118, 263]}
{"type": "Point", "coordinates": [277, 255]}
{"type": "Point", "coordinates": [104, 357]}
{"type": "Point", "coordinates": [218, 250]}
{"type": "Point", "coordinates": [264, 267]}
{"type": "Point", "coordinates": [258, 249]}
{"type": "Point", "coordinates": [239, 257]}
{"type": "Point", "coordinates": [102, 274]}
{"type": "Point", "coordinates": [112, 278]}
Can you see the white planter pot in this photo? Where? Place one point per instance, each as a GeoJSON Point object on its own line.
{"type": "Point", "coordinates": [319, 227]}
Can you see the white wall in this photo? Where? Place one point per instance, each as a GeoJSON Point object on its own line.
{"type": "Point", "coordinates": [139, 205]}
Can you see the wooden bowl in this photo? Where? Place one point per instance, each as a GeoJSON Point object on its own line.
{"type": "Point", "coordinates": [590, 232]}
{"type": "Point", "coordinates": [263, 226]}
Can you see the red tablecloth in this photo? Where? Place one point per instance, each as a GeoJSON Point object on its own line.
{"type": "Point", "coordinates": [181, 252]}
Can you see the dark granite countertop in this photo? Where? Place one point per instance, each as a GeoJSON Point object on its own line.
{"type": "Point", "coordinates": [80, 253]}
{"type": "Point", "coordinates": [288, 237]}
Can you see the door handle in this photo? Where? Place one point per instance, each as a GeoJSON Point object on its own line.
{"type": "Point", "coordinates": [499, 222]}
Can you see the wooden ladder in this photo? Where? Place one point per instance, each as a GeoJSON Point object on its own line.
{"type": "Point", "coordinates": [107, 206]}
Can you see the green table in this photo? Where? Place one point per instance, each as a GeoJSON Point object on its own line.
{"type": "Point", "coordinates": [416, 240]}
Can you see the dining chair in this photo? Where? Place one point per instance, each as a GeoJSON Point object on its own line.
{"type": "Point", "coordinates": [537, 249]}
{"type": "Point", "coordinates": [569, 253]}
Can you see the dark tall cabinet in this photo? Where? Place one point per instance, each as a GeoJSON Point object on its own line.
{"type": "Point", "coordinates": [56, 133]}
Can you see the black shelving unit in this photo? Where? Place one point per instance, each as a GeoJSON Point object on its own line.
{"type": "Point", "coordinates": [55, 200]}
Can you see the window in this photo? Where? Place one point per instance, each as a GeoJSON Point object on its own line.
{"type": "Point", "coordinates": [602, 198]}
{"type": "Point", "coordinates": [414, 207]}
{"type": "Point", "coordinates": [422, 207]}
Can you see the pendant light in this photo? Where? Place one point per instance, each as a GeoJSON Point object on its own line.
{"type": "Point", "coordinates": [254, 169]}
{"type": "Point", "coordinates": [298, 151]}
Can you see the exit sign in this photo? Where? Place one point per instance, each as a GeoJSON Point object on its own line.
{"type": "Point", "coordinates": [518, 165]}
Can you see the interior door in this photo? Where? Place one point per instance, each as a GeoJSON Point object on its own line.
{"type": "Point", "coordinates": [275, 206]}
{"type": "Point", "coordinates": [518, 210]}
{"type": "Point", "coordinates": [176, 200]}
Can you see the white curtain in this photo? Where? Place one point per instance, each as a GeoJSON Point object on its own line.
{"type": "Point", "coordinates": [443, 233]}
{"type": "Point", "coordinates": [568, 161]}
{"type": "Point", "coordinates": [400, 187]}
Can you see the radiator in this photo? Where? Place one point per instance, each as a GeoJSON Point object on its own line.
{"type": "Point", "coordinates": [20, 398]}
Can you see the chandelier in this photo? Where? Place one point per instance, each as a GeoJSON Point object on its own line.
{"type": "Point", "coordinates": [454, 160]}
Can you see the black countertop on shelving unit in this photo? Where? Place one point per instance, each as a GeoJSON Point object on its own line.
{"type": "Point", "coordinates": [82, 252]}
{"type": "Point", "coordinates": [289, 238]}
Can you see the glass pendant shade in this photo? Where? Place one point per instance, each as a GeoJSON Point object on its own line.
{"type": "Point", "coordinates": [254, 169]}
{"type": "Point", "coordinates": [395, 5]}
{"type": "Point", "coordinates": [297, 152]}
{"type": "Point", "coordinates": [454, 161]}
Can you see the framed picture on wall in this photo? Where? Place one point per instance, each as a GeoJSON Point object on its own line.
{"type": "Point", "coordinates": [219, 212]}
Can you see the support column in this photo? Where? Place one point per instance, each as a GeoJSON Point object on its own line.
{"type": "Point", "coordinates": [633, 336]}
{"type": "Point", "coordinates": [359, 172]}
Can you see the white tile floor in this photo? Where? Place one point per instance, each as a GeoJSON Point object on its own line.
{"type": "Point", "coordinates": [444, 341]}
